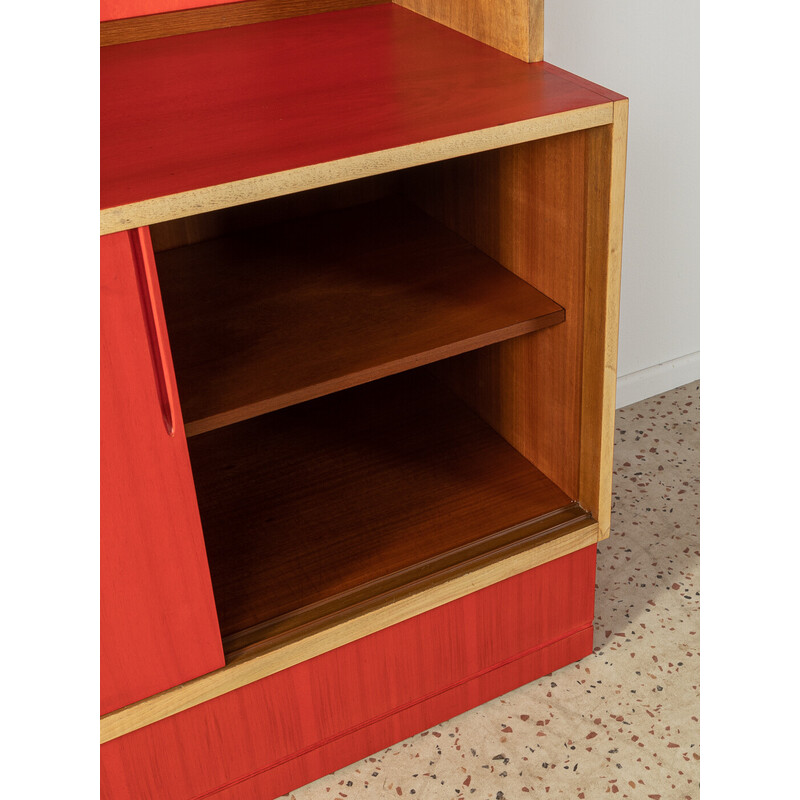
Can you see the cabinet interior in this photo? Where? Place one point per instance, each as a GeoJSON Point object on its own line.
{"type": "Point", "coordinates": [381, 380]}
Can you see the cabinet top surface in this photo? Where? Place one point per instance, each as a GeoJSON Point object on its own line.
{"type": "Point", "coordinates": [200, 110]}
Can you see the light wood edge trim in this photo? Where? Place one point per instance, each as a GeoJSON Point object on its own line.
{"type": "Point", "coordinates": [240, 673]}
{"type": "Point", "coordinates": [596, 477]}
{"type": "Point", "coordinates": [226, 195]}
{"type": "Point", "coordinates": [245, 412]}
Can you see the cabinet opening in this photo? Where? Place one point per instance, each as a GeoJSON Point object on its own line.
{"type": "Point", "coordinates": [380, 382]}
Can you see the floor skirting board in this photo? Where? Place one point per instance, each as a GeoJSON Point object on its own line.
{"type": "Point", "coordinates": [657, 379]}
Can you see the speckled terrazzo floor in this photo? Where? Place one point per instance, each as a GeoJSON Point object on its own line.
{"type": "Point", "coordinates": [623, 721]}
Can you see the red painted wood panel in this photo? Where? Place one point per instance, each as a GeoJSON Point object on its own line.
{"type": "Point", "coordinates": [122, 9]}
{"type": "Point", "coordinates": [202, 109]}
{"type": "Point", "coordinates": [158, 623]}
{"type": "Point", "coordinates": [333, 755]}
{"type": "Point", "coordinates": [303, 722]}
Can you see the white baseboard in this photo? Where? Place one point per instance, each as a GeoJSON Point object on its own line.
{"type": "Point", "coordinates": [658, 379]}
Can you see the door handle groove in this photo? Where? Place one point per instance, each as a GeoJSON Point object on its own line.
{"type": "Point", "coordinates": [148, 293]}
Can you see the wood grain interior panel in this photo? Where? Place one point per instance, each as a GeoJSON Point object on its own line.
{"type": "Point", "coordinates": [265, 319]}
{"type": "Point", "coordinates": [513, 26]}
{"type": "Point", "coordinates": [524, 206]}
{"type": "Point", "coordinates": [329, 495]}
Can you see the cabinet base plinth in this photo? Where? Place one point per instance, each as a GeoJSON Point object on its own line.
{"type": "Point", "coordinates": [269, 737]}
{"type": "Point", "coordinates": [379, 734]}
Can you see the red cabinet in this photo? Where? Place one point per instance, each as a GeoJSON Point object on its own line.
{"type": "Point", "coordinates": [384, 257]}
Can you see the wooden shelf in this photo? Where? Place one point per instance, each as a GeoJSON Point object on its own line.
{"type": "Point", "coordinates": [268, 318]}
{"type": "Point", "coordinates": [318, 508]}
{"type": "Point", "coordinates": [213, 119]}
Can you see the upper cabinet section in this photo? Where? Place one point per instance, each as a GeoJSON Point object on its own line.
{"type": "Point", "coordinates": [207, 120]}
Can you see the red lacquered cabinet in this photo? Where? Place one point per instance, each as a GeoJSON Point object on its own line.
{"type": "Point", "coordinates": [359, 298]}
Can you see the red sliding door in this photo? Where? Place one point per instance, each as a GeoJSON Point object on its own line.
{"type": "Point", "coordinates": [158, 623]}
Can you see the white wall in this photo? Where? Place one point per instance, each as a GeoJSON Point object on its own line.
{"type": "Point", "coordinates": [648, 50]}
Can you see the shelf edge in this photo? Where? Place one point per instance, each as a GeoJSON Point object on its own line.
{"type": "Point", "coordinates": [221, 419]}
{"type": "Point", "coordinates": [250, 190]}
{"type": "Point", "coordinates": [249, 669]}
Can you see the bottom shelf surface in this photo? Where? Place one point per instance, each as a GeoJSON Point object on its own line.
{"type": "Point", "coordinates": [321, 509]}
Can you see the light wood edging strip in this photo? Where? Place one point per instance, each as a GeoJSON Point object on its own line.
{"type": "Point", "coordinates": [602, 310]}
{"type": "Point", "coordinates": [247, 670]}
{"type": "Point", "coordinates": [249, 190]}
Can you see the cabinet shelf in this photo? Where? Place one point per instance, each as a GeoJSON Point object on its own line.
{"type": "Point", "coordinates": [317, 508]}
{"type": "Point", "coordinates": [268, 318]}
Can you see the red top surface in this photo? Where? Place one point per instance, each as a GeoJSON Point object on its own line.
{"type": "Point", "coordinates": [198, 110]}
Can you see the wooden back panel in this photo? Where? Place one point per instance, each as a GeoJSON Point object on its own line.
{"type": "Point", "coordinates": [513, 26]}
{"type": "Point", "coordinates": [551, 212]}
{"type": "Point", "coordinates": [523, 206]}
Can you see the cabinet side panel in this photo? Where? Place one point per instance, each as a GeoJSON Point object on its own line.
{"type": "Point", "coordinates": [315, 715]}
{"type": "Point", "coordinates": [513, 26]}
{"type": "Point", "coordinates": [523, 206]}
{"type": "Point", "coordinates": [605, 191]}
{"type": "Point", "coordinates": [158, 623]}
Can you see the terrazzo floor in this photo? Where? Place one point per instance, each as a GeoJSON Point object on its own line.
{"type": "Point", "coordinates": [624, 721]}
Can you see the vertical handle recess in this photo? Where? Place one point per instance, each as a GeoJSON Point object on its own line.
{"type": "Point", "coordinates": [156, 334]}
